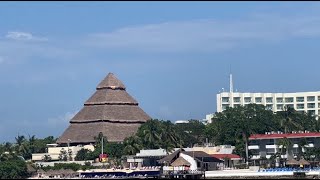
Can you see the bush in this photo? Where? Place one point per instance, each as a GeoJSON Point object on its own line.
{"type": "Point", "coordinates": [13, 169]}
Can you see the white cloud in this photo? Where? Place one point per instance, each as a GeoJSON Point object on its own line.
{"type": "Point", "coordinates": [24, 36]}
{"type": "Point", "coordinates": [61, 120]}
{"type": "Point", "coordinates": [207, 35]}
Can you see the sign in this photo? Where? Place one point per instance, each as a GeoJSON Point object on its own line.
{"type": "Point", "coordinates": [103, 157]}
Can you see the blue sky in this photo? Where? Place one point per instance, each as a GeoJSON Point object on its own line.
{"type": "Point", "coordinates": [174, 57]}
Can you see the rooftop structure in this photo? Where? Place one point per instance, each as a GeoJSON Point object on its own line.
{"type": "Point", "coordinates": [110, 110]}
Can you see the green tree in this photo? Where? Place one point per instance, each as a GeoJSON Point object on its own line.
{"type": "Point", "coordinates": [13, 169]}
{"type": "Point", "coordinates": [132, 145]}
{"type": "Point", "coordinates": [150, 133]}
{"type": "Point", "coordinates": [303, 144]}
{"type": "Point", "coordinates": [285, 144]}
{"type": "Point", "coordinates": [82, 155]}
{"type": "Point", "coordinates": [288, 122]}
{"type": "Point", "coordinates": [63, 156]}
{"type": "Point", "coordinates": [46, 158]}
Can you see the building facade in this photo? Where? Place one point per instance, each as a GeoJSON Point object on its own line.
{"type": "Point", "coordinates": [308, 102]}
{"type": "Point", "coordinates": [268, 144]}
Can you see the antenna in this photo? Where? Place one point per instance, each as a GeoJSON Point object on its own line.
{"type": "Point", "coordinates": [231, 81]}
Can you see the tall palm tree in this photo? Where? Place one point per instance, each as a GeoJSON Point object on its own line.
{"type": "Point", "coordinates": [132, 145]}
{"type": "Point", "coordinates": [286, 121]}
{"type": "Point", "coordinates": [169, 136]}
{"type": "Point", "coordinates": [286, 144]}
{"type": "Point", "coordinates": [152, 137]}
{"type": "Point", "coordinates": [303, 143]}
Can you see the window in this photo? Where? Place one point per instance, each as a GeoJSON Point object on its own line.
{"type": "Point", "coordinates": [254, 152]}
{"type": "Point", "coordinates": [311, 105]}
{"type": "Point", "coordinates": [269, 107]}
{"type": "Point", "coordinates": [236, 105]}
{"type": "Point", "coordinates": [318, 98]}
{"type": "Point", "coordinates": [225, 99]}
{"type": "Point", "coordinates": [290, 105]}
{"type": "Point", "coordinates": [253, 142]}
{"type": "Point", "coordinates": [247, 99]}
{"type": "Point", "coordinates": [279, 106]}
{"type": "Point", "coordinates": [300, 99]}
{"type": "Point", "coordinates": [300, 106]}
{"type": "Point", "coordinates": [269, 99]}
{"type": "Point", "coordinates": [270, 151]}
{"type": "Point", "coordinates": [258, 99]}
{"type": "Point", "coordinates": [270, 142]}
{"type": "Point", "coordinates": [279, 100]}
{"type": "Point", "coordinates": [224, 106]}
{"type": "Point", "coordinates": [289, 99]}
{"type": "Point", "coordinates": [310, 98]}
{"type": "Point", "coordinates": [236, 99]}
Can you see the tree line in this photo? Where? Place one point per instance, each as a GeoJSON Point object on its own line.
{"type": "Point", "coordinates": [233, 127]}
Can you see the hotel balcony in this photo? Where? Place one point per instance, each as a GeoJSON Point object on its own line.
{"type": "Point", "coordinates": [253, 147]}
{"type": "Point", "coordinates": [272, 146]}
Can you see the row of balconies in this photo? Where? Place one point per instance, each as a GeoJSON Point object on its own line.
{"type": "Point", "coordinates": [254, 157]}
{"type": "Point", "coordinates": [273, 146]}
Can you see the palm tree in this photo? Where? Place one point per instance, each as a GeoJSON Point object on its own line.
{"type": "Point", "coordinates": [99, 138]}
{"type": "Point", "coordinates": [285, 143]}
{"type": "Point", "coordinates": [152, 137]}
{"type": "Point", "coordinates": [286, 121]}
{"type": "Point", "coordinates": [132, 145]}
{"type": "Point", "coordinates": [303, 143]}
{"type": "Point", "coordinates": [170, 137]}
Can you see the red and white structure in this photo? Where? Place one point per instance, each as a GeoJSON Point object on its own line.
{"type": "Point", "coordinates": [265, 145]}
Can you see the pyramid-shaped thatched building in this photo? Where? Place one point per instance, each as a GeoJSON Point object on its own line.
{"type": "Point", "coordinates": [110, 110]}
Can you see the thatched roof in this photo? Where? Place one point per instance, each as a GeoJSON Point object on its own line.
{"type": "Point", "coordinates": [292, 162]}
{"type": "Point", "coordinates": [180, 162]}
{"type": "Point", "coordinates": [110, 81]}
{"type": "Point", "coordinates": [303, 162]}
{"type": "Point", "coordinates": [171, 157]}
{"type": "Point", "coordinates": [110, 96]}
{"type": "Point", "coordinates": [85, 132]}
{"type": "Point", "coordinates": [110, 110]}
{"type": "Point", "coordinates": [114, 113]}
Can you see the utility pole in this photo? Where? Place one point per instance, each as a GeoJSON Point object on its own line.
{"type": "Point", "coordinates": [102, 145]}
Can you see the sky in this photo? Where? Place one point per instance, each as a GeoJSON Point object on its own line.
{"type": "Point", "coordinates": [173, 57]}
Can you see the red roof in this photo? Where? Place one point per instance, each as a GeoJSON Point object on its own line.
{"type": "Point", "coordinates": [277, 136]}
{"type": "Point", "coordinates": [230, 156]}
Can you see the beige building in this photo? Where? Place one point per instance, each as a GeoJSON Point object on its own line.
{"type": "Point", "coordinates": [54, 152]}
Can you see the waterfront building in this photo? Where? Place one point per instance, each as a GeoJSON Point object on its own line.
{"type": "Point", "coordinates": [110, 110]}
{"type": "Point", "coordinates": [265, 145]}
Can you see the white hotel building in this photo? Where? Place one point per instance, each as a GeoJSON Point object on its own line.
{"type": "Point", "coordinates": [300, 101]}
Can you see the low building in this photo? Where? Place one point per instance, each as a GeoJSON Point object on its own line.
{"type": "Point", "coordinates": [53, 152]}
{"type": "Point", "coordinates": [193, 160]}
{"type": "Point", "coordinates": [146, 158]}
{"type": "Point", "coordinates": [263, 146]}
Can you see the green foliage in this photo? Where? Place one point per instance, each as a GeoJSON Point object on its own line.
{"type": "Point", "coordinates": [63, 156]}
{"type": "Point", "coordinates": [13, 168]}
{"type": "Point", "coordinates": [82, 155]}
{"type": "Point", "coordinates": [132, 145]}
